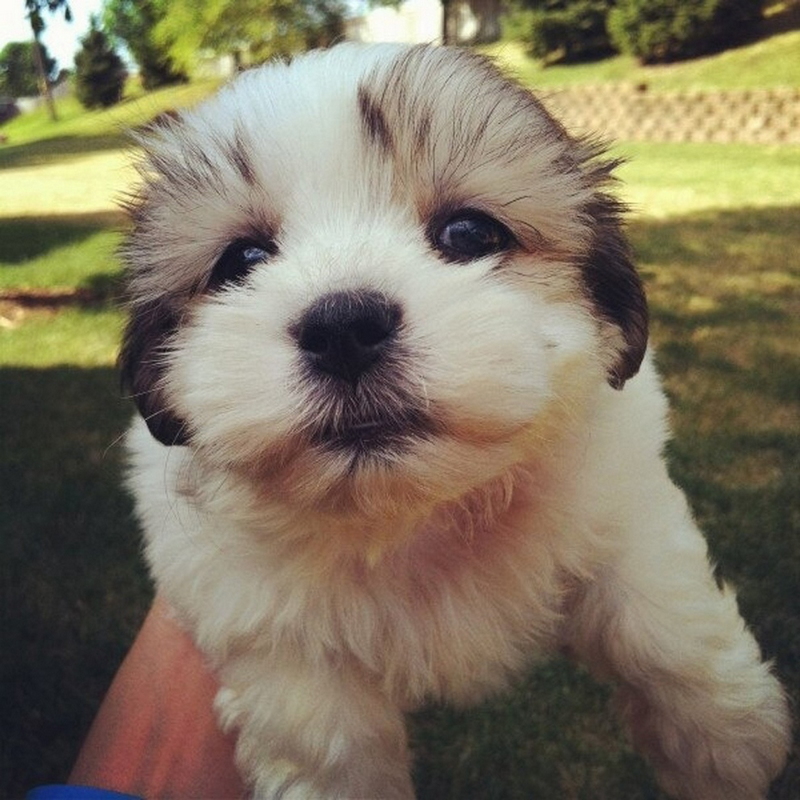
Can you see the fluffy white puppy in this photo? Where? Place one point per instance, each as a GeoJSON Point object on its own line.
{"type": "Point", "coordinates": [382, 317]}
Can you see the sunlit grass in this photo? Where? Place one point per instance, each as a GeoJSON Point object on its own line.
{"type": "Point", "coordinates": [59, 252]}
{"type": "Point", "coordinates": [769, 63]}
{"type": "Point", "coordinates": [668, 180]}
{"type": "Point", "coordinates": [81, 183]}
{"type": "Point", "coordinates": [91, 125]}
{"type": "Point", "coordinates": [83, 162]}
{"type": "Point", "coordinates": [78, 336]}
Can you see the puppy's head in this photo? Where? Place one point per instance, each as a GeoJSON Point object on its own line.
{"type": "Point", "coordinates": [374, 273]}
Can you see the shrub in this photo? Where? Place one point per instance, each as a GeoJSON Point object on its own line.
{"type": "Point", "coordinates": [570, 30]}
{"type": "Point", "coordinates": [99, 72]}
{"type": "Point", "coordinates": [669, 30]}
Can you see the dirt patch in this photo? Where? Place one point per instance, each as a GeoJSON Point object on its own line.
{"type": "Point", "coordinates": [16, 305]}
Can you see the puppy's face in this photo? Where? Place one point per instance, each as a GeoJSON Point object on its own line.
{"type": "Point", "coordinates": [376, 275]}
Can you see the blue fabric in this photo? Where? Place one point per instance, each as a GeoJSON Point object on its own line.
{"type": "Point", "coordinates": [63, 792]}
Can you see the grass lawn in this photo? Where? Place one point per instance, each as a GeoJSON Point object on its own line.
{"type": "Point", "coordinates": [717, 233]}
{"type": "Point", "coordinates": [34, 138]}
{"type": "Point", "coordinates": [768, 63]}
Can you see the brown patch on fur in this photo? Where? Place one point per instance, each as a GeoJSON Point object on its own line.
{"type": "Point", "coordinates": [373, 121]}
{"type": "Point", "coordinates": [237, 154]}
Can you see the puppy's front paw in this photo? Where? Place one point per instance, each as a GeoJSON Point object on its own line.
{"type": "Point", "coordinates": [724, 747]}
{"type": "Point", "coordinates": [281, 779]}
{"type": "Point", "coordinates": [285, 780]}
{"type": "Point", "coordinates": [314, 735]}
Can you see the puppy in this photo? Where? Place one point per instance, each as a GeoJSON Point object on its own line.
{"type": "Point", "coordinates": [385, 334]}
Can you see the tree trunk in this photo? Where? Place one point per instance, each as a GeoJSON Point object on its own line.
{"type": "Point", "coordinates": [44, 84]}
{"type": "Point", "coordinates": [447, 37]}
{"type": "Point", "coordinates": [487, 16]}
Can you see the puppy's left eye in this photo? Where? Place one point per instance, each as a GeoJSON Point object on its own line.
{"type": "Point", "coordinates": [470, 235]}
{"type": "Point", "coordinates": [237, 261]}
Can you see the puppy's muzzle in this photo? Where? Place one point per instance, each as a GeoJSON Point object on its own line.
{"type": "Point", "coordinates": [346, 334]}
{"type": "Point", "coordinates": [356, 374]}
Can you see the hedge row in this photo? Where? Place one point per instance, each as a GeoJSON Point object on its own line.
{"type": "Point", "coordinates": [652, 30]}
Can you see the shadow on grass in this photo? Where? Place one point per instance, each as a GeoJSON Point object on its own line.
{"type": "Point", "coordinates": [774, 375]}
{"type": "Point", "coordinates": [744, 489]}
{"type": "Point", "coordinates": [26, 238]}
{"type": "Point", "coordinates": [724, 294]}
{"type": "Point", "coordinates": [554, 734]}
{"type": "Point", "coordinates": [56, 261]}
{"type": "Point", "coordinates": [725, 297]}
{"type": "Point", "coordinates": [60, 149]}
{"type": "Point", "coordinates": [706, 236]}
{"type": "Point", "coordinates": [551, 736]}
{"type": "Point", "coordinates": [74, 589]}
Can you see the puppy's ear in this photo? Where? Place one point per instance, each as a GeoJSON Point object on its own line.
{"type": "Point", "coordinates": [615, 287]}
{"type": "Point", "coordinates": [142, 368]}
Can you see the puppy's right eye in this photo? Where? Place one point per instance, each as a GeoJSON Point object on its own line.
{"type": "Point", "coordinates": [237, 261]}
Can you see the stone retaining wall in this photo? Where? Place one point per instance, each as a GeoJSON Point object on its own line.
{"type": "Point", "coordinates": [624, 112]}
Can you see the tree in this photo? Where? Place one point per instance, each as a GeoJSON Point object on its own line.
{"type": "Point", "coordinates": [134, 22]}
{"type": "Point", "coordinates": [254, 29]}
{"type": "Point", "coordinates": [34, 10]}
{"type": "Point", "coordinates": [449, 22]}
{"type": "Point", "coordinates": [99, 72]}
{"type": "Point", "coordinates": [18, 68]}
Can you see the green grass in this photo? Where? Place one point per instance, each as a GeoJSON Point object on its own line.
{"type": "Point", "coordinates": [769, 63]}
{"type": "Point", "coordinates": [72, 582]}
{"type": "Point", "coordinates": [35, 139]}
{"type": "Point", "coordinates": [74, 121]}
{"type": "Point", "coordinates": [673, 179]}
{"type": "Point", "coordinates": [75, 335]}
{"type": "Point", "coordinates": [42, 252]}
{"type": "Point", "coordinates": [551, 737]}
{"type": "Point", "coordinates": [716, 235]}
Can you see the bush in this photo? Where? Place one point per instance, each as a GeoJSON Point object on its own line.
{"type": "Point", "coordinates": [569, 30]}
{"type": "Point", "coordinates": [559, 30]}
{"type": "Point", "coordinates": [99, 72]}
{"type": "Point", "coordinates": [669, 30]}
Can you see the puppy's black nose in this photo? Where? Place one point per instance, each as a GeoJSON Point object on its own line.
{"type": "Point", "coordinates": [345, 333]}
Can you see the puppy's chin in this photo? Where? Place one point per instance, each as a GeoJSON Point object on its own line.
{"type": "Point", "coordinates": [380, 483]}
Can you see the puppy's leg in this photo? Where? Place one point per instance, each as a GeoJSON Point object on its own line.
{"type": "Point", "coordinates": [313, 732]}
{"type": "Point", "coordinates": [699, 701]}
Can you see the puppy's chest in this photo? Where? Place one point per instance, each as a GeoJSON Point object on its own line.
{"type": "Point", "coordinates": [439, 619]}
{"type": "Point", "coordinates": [451, 612]}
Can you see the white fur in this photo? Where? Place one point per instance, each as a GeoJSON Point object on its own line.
{"type": "Point", "coordinates": [333, 596]}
